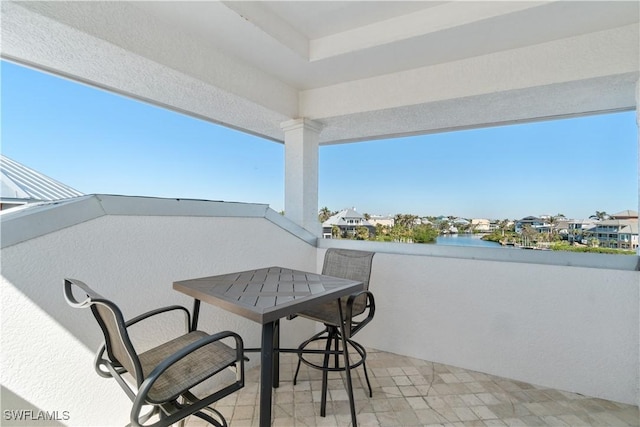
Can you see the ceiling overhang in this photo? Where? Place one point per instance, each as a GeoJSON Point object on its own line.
{"type": "Point", "coordinates": [365, 70]}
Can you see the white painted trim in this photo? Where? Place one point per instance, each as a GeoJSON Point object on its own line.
{"type": "Point", "coordinates": [567, 259]}
{"type": "Point", "coordinates": [39, 219]}
{"type": "Point", "coordinates": [43, 218]}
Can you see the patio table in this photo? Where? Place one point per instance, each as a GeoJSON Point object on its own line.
{"type": "Point", "coordinates": [266, 295]}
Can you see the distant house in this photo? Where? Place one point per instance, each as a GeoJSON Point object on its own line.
{"type": "Point", "coordinates": [561, 227]}
{"type": "Point", "coordinates": [481, 225]}
{"type": "Point", "coordinates": [449, 225]}
{"type": "Point", "coordinates": [579, 229]}
{"type": "Point", "coordinates": [347, 221]}
{"type": "Point", "coordinates": [618, 232]}
{"type": "Point", "coordinates": [461, 222]}
{"type": "Point", "coordinates": [21, 185]}
{"type": "Point", "coordinates": [388, 220]}
{"type": "Point", "coordinates": [540, 225]}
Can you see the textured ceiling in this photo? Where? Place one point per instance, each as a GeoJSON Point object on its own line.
{"type": "Point", "coordinates": [361, 69]}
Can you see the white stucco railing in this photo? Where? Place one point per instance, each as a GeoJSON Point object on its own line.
{"type": "Point", "coordinates": [558, 324]}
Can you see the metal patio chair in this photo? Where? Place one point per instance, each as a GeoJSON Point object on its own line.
{"type": "Point", "coordinates": [164, 376]}
{"type": "Point", "coordinates": [356, 311]}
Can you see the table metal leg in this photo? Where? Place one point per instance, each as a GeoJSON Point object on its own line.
{"type": "Point", "coordinates": [276, 354]}
{"type": "Point", "coordinates": [266, 373]}
{"type": "Point", "coordinates": [196, 313]}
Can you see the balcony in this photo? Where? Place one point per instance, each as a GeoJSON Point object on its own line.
{"type": "Point", "coordinates": [305, 75]}
{"type": "Point", "coordinates": [460, 335]}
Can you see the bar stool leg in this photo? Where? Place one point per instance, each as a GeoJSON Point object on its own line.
{"type": "Point", "coordinates": [347, 369]}
{"type": "Point", "coordinates": [295, 377]}
{"type": "Point", "coordinates": [301, 350]}
{"type": "Point", "coordinates": [325, 372]}
{"type": "Point", "coordinates": [366, 377]}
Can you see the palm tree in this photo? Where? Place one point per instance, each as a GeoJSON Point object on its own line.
{"type": "Point", "coordinates": [502, 225]}
{"type": "Point", "coordinates": [405, 220]}
{"type": "Point", "coordinates": [529, 235]}
{"type": "Point", "coordinates": [600, 216]}
{"type": "Point", "coordinates": [553, 220]}
{"type": "Point", "coordinates": [324, 214]}
{"type": "Point", "coordinates": [362, 233]}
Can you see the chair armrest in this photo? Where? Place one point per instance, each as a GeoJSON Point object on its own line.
{"type": "Point", "coordinates": [145, 387]}
{"type": "Point", "coordinates": [353, 327]}
{"type": "Point", "coordinates": [161, 310]}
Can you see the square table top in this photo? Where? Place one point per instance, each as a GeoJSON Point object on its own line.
{"type": "Point", "coordinates": [267, 294]}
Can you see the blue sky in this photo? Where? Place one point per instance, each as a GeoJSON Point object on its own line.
{"type": "Point", "coordinates": [97, 142]}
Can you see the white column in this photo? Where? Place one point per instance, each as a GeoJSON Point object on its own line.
{"type": "Point", "coordinates": [301, 173]}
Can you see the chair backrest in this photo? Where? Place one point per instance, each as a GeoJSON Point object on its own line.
{"type": "Point", "coordinates": [117, 342]}
{"type": "Point", "coordinates": [352, 265]}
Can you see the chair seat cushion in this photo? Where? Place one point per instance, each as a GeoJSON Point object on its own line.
{"type": "Point", "coordinates": [190, 370]}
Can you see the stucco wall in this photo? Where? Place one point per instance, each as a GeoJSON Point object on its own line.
{"type": "Point", "coordinates": [571, 328]}
{"type": "Point", "coordinates": [48, 347]}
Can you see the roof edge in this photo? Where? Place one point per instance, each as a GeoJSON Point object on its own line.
{"type": "Point", "coordinates": [38, 219]}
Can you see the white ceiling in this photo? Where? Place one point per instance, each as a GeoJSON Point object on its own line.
{"type": "Point", "coordinates": [311, 44]}
{"type": "Point", "coordinates": [363, 69]}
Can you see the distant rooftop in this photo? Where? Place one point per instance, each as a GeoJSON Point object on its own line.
{"type": "Point", "coordinates": [21, 185]}
{"type": "Point", "coordinates": [343, 216]}
{"type": "Point", "coordinates": [625, 214]}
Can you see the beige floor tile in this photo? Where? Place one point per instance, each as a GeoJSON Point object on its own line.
{"type": "Point", "coordinates": [429, 417]}
{"type": "Point", "coordinates": [409, 391]}
{"type": "Point", "coordinates": [417, 403]}
{"type": "Point", "coordinates": [630, 415]}
{"type": "Point", "coordinates": [368, 420]}
{"type": "Point", "coordinates": [489, 398]}
{"type": "Point", "coordinates": [471, 400]}
{"type": "Point", "coordinates": [414, 392]}
{"type": "Point", "coordinates": [494, 423]}
{"type": "Point", "coordinates": [484, 413]}
{"type": "Point", "coordinates": [608, 419]}
{"type": "Point", "coordinates": [465, 414]}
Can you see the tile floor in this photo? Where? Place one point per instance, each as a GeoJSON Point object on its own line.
{"type": "Point", "coordinates": [413, 392]}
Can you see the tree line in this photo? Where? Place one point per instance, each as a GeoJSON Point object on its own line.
{"type": "Point", "coordinates": [406, 228]}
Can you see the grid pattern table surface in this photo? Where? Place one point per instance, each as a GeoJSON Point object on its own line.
{"type": "Point", "coordinates": [267, 294]}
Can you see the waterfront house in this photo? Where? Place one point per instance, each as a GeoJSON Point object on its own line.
{"type": "Point", "coordinates": [561, 227]}
{"type": "Point", "coordinates": [579, 230]}
{"type": "Point", "coordinates": [618, 232]}
{"type": "Point", "coordinates": [384, 220]}
{"type": "Point", "coordinates": [347, 222]}
{"type": "Point", "coordinates": [538, 224]}
{"type": "Point", "coordinates": [481, 225]}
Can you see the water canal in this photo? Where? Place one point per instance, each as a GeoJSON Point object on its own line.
{"type": "Point", "coordinates": [465, 240]}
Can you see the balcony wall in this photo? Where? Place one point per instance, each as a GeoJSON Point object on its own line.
{"type": "Point", "coordinates": [569, 327]}
{"type": "Point", "coordinates": [129, 250]}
